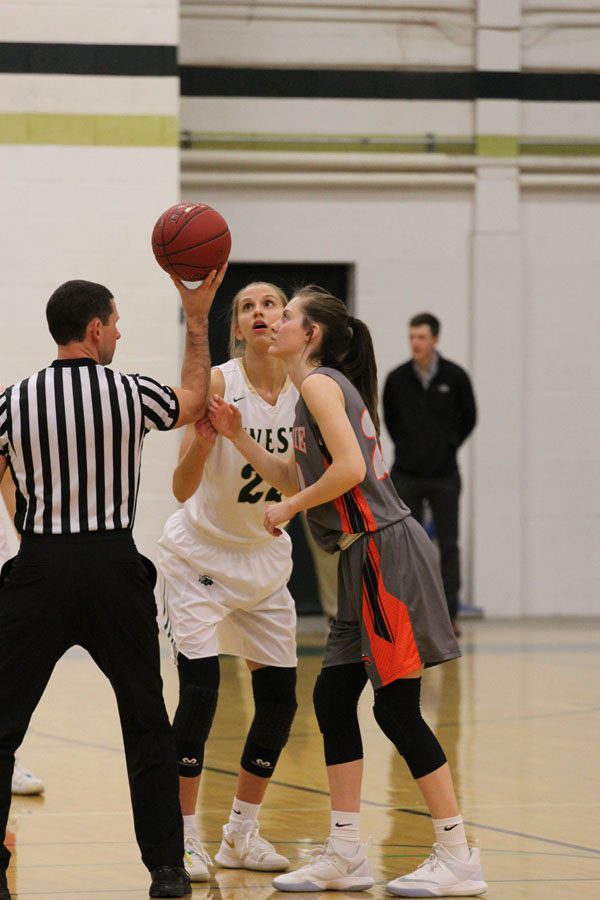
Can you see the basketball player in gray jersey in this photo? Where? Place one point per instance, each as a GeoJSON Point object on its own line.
{"type": "Point", "coordinates": [392, 619]}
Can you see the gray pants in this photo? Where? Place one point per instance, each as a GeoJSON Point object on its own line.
{"type": "Point", "coordinates": [442, 494]}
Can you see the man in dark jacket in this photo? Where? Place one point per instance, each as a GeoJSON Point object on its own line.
{"type": "Point", "coordinates": [429, 410]}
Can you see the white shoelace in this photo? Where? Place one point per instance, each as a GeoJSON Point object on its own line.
{"type": "Point", "coordinates": [324, 854]}
{"type": "Point", "coordinates": [193, 846]}
{"type": "Point", "coordinates": [255, 843]}
{"type": "Point", "coordinates": [21, 772]}
{"type": "Point", "coordinates": [432, 862]}
{"type": "Point", "coordinates": [314, 853]}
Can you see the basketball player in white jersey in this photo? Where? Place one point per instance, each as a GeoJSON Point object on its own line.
{"type": "Point", "coordinates": [225, 584]}
{"type": "Point", "coordinates": [24, 782]}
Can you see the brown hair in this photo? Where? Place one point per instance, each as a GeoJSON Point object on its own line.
{"type": "Point", "coordinates": [346, 344]}
{"type": "Point", "coordinates": [426, 319]}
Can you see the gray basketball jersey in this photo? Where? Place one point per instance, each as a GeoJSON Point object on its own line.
{"type": "Point", "coordinates": [371, 505]}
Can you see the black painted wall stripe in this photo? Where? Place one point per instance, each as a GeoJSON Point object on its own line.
{"type": "Point", "coordinates": [88, 59]}
{"type": "Point", "coordinates": [208, 81]}
{"type": "Point", "coordinates": [214, 81]}
{"type": "Point", "coordinates": [324, 83]}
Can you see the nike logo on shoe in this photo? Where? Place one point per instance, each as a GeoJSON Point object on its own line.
{"type": "Point", "coordinates": [450, 827]}
{"type": "Point", "coordinates": [342, 824]}
{"type": "Point", "coordinates": [238, 812]}
{"type": "Point", "coordinates": [353, 869]}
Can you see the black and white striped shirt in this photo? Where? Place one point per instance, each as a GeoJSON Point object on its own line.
{"type": "Point", "coordinates": [72, 435]}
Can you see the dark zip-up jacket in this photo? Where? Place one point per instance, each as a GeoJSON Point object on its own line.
{"type": "Point", "coordinates": [428, 425]}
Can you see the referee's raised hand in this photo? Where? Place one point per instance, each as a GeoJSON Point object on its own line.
{"type": "Point", "coordinates": [198, 301]}
{"type": "Point", "coordinates": [195, 369]}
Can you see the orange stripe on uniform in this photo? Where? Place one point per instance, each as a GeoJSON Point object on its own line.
{"type": "Point", "coordinates": [400, 656]}
{"type": "Point", "coordinates": [365, 509]}
{"type": "Point", "coordinates": [340, 505]}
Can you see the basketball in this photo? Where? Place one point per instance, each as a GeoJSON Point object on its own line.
{"type": "Point", "coordinates": [191, 239]}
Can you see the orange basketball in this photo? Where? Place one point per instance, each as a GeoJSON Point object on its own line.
{"type": "Point", "coordinates": [189, 240]}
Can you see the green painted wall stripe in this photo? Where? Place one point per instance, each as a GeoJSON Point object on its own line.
{"type": "Point", "coordinates": [560, 148]}
{"type": "Point", "coordinates": [92, 130]}
{"type": "Point", "coordinates": [163, 131]}
{"type": "Point", "coordinates": [497, 145]}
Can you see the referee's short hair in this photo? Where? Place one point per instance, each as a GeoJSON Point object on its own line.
{"type": "Point", "coordinates": [426, 319]}
{"type": "Point", "coordinates": [72, 307]}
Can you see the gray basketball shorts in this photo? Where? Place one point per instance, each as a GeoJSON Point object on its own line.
{"type": "Point", "coordinates": [392, 614]}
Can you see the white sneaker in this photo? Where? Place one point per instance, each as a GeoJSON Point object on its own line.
{"type": "Point", "coordinates": [442, 875]}
{"type": "Point", "coordinates": [24, 782]}
{"type": "Point", "coordinates": [242, 847]}
{"type": "Point", "coordinates": [196, 860]}
{"type": "Point", "coordinates": [328, 870]}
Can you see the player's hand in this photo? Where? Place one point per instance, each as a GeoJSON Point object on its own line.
{"type": "Point", "coordinates": [205, 433]}
{"type": "Point", "coordinates": [277, 514]}
{"type": "Point", "coordinates": [198, 301]}
{"type": "Point", "coordinates": [225, 418]}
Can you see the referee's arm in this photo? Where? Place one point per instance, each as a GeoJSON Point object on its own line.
{"type": "Point", "coordinates": [195, 369]}
{"type": "Point", "coordinates": [3, 468]}
{"type": "Point", "coordinates": [7, 489]}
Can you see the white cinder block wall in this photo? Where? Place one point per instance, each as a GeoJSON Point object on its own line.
{"type": "Point", "coordinates": [500, 244]}
{"type": "Point", "coordinates": [88, 160]}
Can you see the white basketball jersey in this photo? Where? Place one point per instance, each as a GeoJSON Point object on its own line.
{"type": "Point", "coordinates": [230, 503]}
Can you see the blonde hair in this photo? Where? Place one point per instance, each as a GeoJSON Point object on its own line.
{"type": "Point", "coordinates": [237, 347]}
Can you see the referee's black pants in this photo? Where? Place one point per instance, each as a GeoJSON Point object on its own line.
{"type": "Point", "coordinates": [93, 590]}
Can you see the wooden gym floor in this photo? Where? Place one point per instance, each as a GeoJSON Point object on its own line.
{"type": "Point", "coordinates": [519, 717]}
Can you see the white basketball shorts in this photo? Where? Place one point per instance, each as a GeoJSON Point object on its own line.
{"type": "Point", "coordinates": [220, 598]}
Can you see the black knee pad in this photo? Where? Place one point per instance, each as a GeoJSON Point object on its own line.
{"type": "Point", "coordinates": [335, 698]}
{"type": "Point", "coordinates": [397, 710]}
{"type": "Point", "coordinates": [274, 690]}
{"type": "Point", "coordinates": [198, 693]}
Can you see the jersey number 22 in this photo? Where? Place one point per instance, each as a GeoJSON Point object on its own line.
{"type": "Point", "coordinates": [250, 493]}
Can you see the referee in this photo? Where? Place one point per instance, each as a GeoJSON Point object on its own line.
{"type": "Point", "coordinates": [71, 436]}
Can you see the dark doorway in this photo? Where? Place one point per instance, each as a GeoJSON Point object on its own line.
{"type": "Point", "coordinates": [289, 276]}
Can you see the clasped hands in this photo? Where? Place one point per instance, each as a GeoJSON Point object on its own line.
{"type": "Point", "coordinates": [225, 419]}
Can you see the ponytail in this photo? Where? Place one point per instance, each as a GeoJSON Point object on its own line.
{"type": "Point", "coordinates": [346, 344]}
{"type": "Point", "coordinates": [361, 369]}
